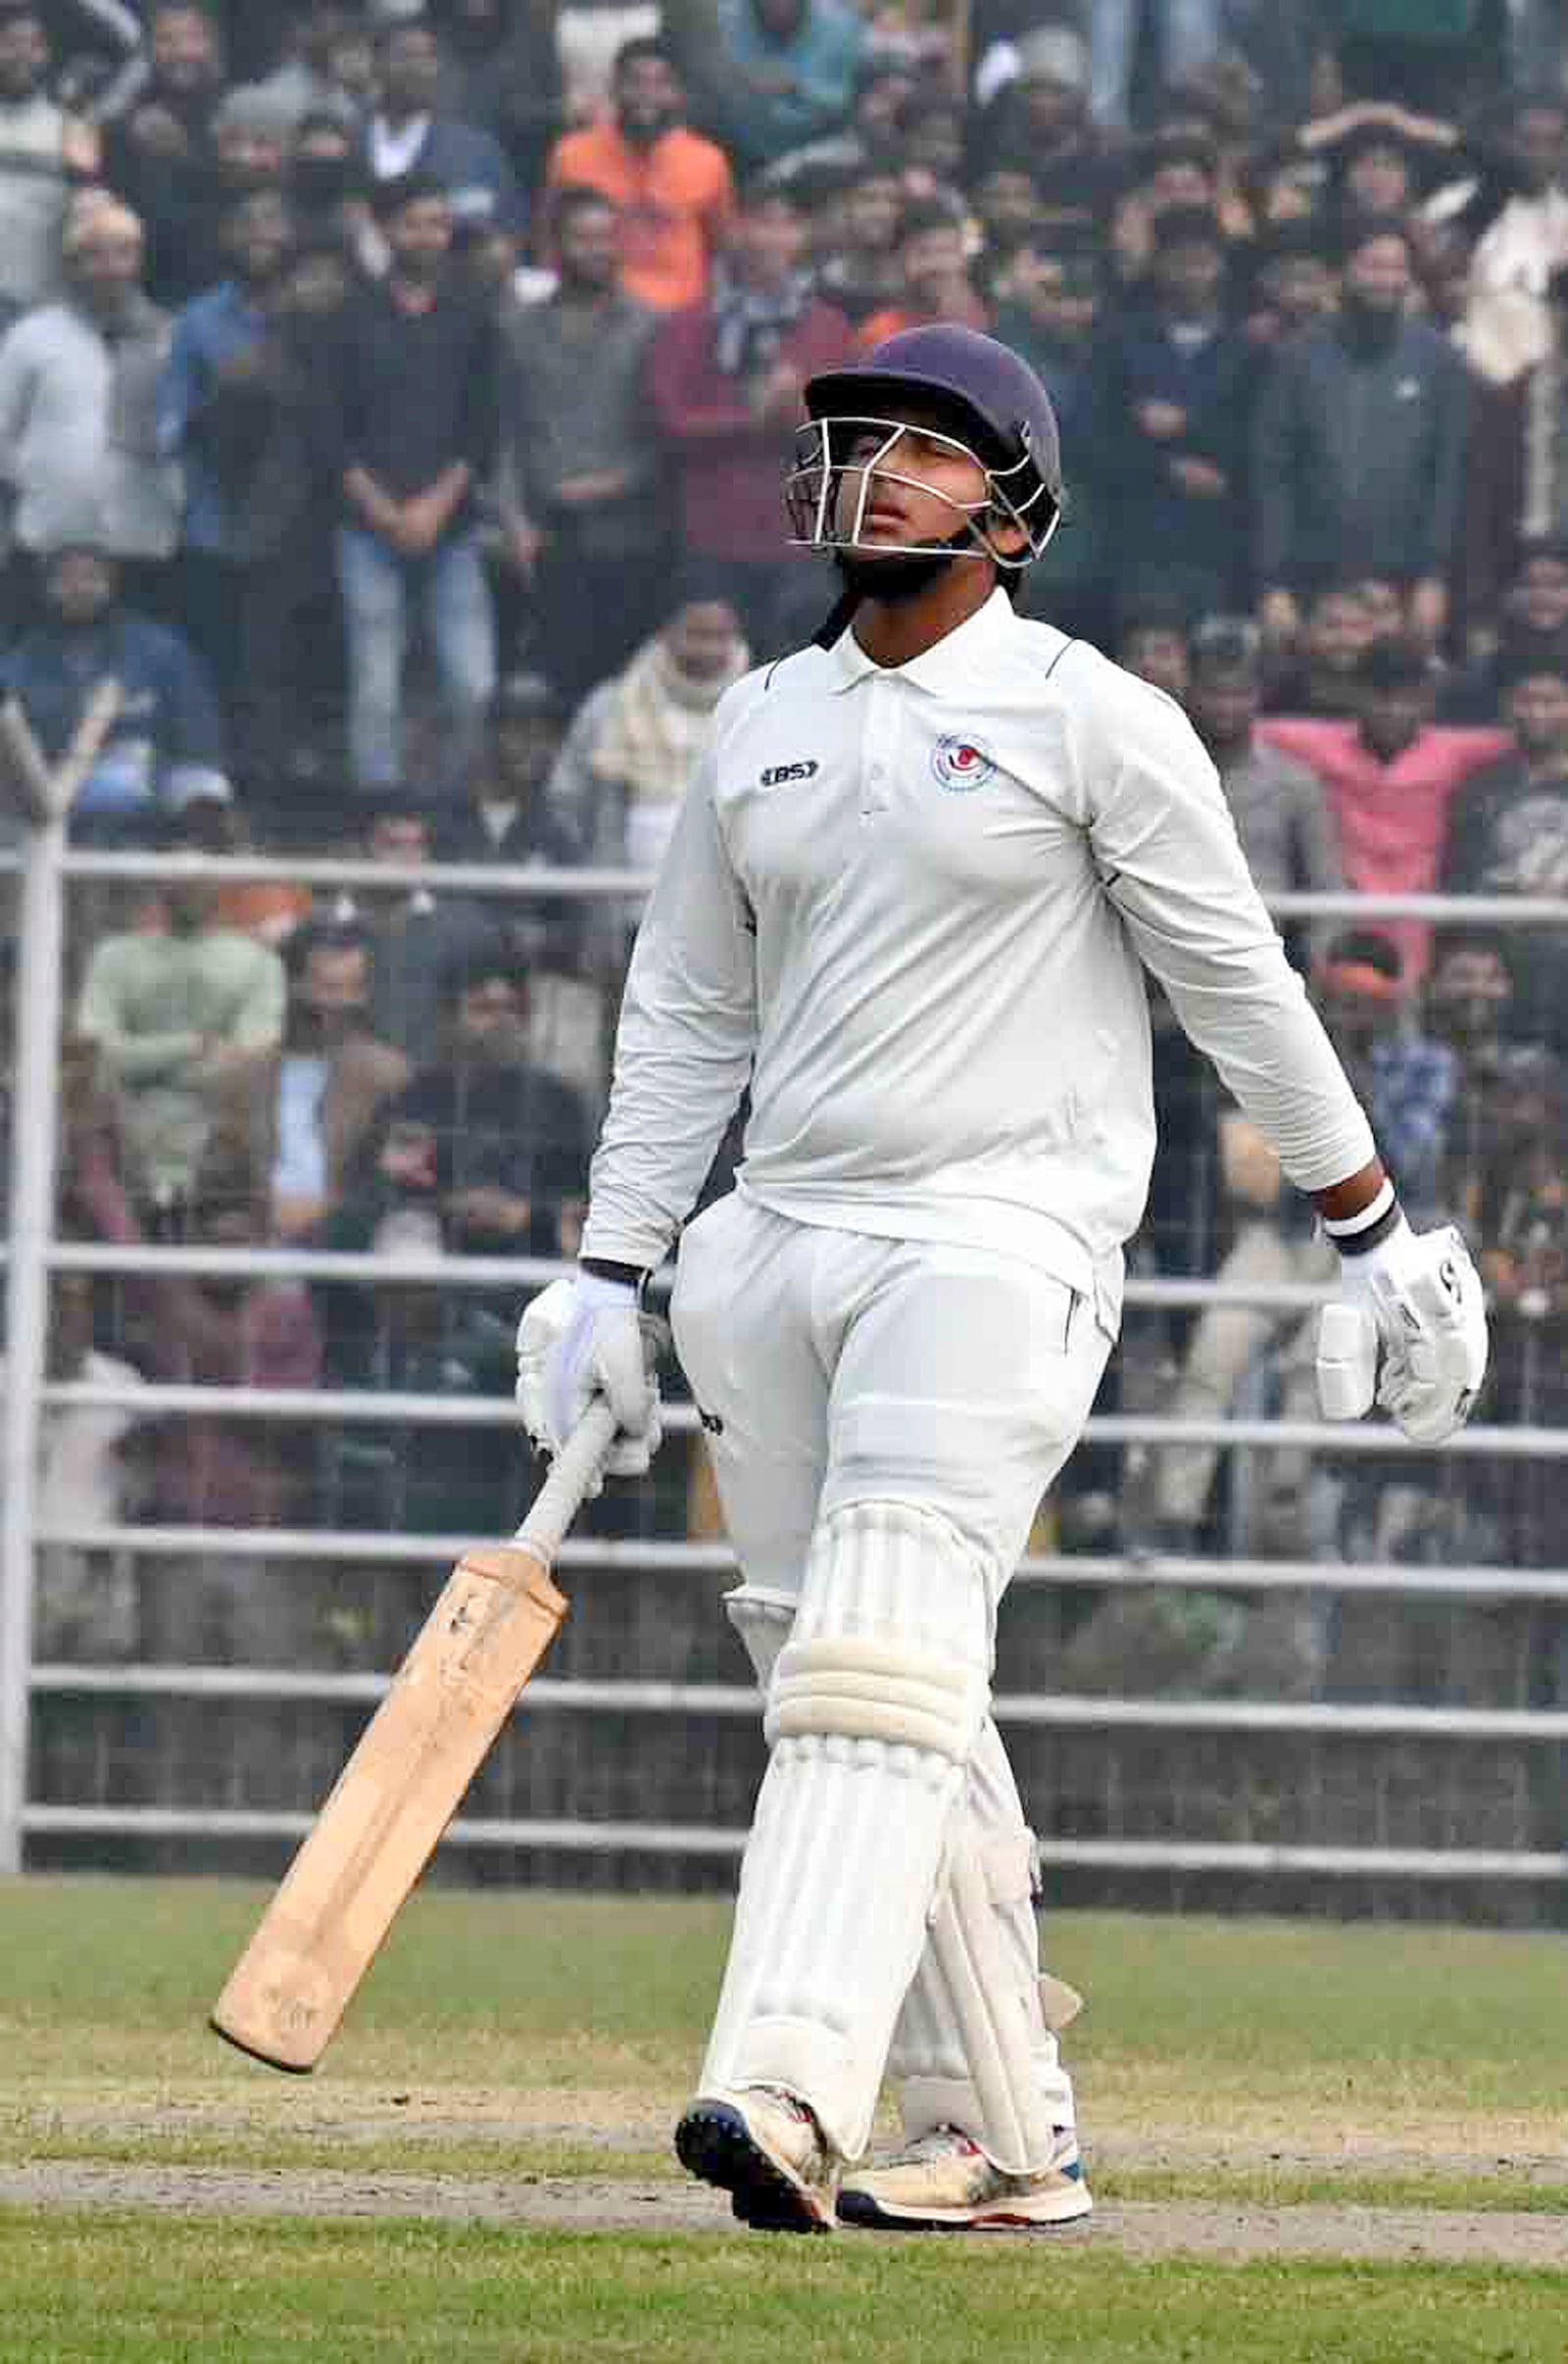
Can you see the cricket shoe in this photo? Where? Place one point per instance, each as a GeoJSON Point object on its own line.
{"type": "Point", "coordinates": [767, 2151]}
{"type": "Point", "coordinates": [942, 2182]}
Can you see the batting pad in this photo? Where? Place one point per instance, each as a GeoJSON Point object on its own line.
{"type": "Point", "coordinates": [975, 2044]}
{"type": "Point", "coordinates": [874, 1705]}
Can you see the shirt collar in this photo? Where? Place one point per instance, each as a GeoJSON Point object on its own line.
{"type": "Point", "coordinates": [948, 667]}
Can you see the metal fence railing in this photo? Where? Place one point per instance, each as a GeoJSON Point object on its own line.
{"type": "Point", "coordinates": [1530, 1728]}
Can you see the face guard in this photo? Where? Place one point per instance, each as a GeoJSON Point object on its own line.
{"type": "Point", "coordinates": [840, 462]}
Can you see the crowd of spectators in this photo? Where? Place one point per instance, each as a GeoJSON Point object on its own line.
{"type": "Point", "coordinates": [393, 405]}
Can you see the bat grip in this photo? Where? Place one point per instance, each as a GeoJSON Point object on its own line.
{"type": "Point", "coordinates": [571, 1473]}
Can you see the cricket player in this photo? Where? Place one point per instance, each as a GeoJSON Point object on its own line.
{"type": "Point", "coordinates": [908, 901]}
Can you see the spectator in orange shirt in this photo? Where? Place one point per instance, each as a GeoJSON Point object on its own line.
{"type": "Point", "coordinates": [671, 187]}
{"type": "Point", "coordinates": [934, 261]}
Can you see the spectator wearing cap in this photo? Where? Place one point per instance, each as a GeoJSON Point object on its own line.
{"type": "Point", "coordinates": [1360, 444]}
{"type": "Point", "coordinates": [1390, 779]}
{"type": "Point", "coordinates": [934, 275]}
{"type": "Point", "coordinates": [1278, 804]}
{"type": "Point", "coordinates": [78, 384]}
{"type": "Point", "coordinates": [164, 746]}
{"type": "Point", "coordinates": [408, 435]}
{"type": "Point", "coordinates": [159, 150]}
{"type": "Point", "coordinates": [407, 134]}
{"type": "Point", "coordinates": [179, 1009]}
{"type": "Point", "coordinates": [726, 380]}
{"type": "Point", "coordinates": [789, 69]}
{"type": "Point", "coordinates": [1508, 831]}
{"type": "Point", "coordinates": [672, 189]}
{"type": "Point", "coordinates": [581, 498]}
{"type": "Point", "coordinates": [1172, 390]}
{"type": "Point", "coordinates": [45, 153]}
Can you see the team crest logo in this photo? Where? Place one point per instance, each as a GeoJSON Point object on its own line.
{"type": "Point", "coordinates": [961, 763]}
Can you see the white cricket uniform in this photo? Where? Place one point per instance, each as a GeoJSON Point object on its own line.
{"type": "Point", "coordinates": [909, 907]}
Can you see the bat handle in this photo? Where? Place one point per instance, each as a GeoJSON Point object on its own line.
{"type": "Point", "coordinates": [572, 1473]}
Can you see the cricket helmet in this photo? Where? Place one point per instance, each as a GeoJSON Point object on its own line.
{"type": "Point", "coordinates": [981, 396]}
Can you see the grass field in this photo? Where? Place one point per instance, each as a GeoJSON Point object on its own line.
{"type": "Point", "coordinates": [459, 2177]}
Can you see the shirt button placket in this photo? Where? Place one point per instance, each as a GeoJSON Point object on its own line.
{"type": "Point", "coordinates": [877, 752]}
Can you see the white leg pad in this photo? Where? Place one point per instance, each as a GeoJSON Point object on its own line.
{"type": "Point", "coordinates": [874, 1705]}
{"type": "Point", "coordinates": [976, 2041]}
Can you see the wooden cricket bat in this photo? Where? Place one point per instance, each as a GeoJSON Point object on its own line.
{"type": "Point", "coordinates": [493, 1623]}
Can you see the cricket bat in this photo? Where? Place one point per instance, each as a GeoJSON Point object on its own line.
{"type": "Point", "coordinates": [493, 1623]}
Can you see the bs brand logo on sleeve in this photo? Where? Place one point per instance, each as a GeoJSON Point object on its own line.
{"type": "Point", "coordinates": [778, 775]}
{"type": "Point", "coordinates": [961, 763]}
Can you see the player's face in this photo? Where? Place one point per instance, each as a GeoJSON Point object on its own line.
{"type": "Point", "coordinates": [918, 482]}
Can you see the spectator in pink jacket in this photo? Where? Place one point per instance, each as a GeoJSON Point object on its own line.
{"type": "Point", "coordinates": [1391, 779]}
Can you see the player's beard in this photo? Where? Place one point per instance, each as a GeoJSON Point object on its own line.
{"type": "Point", "coordinates": [898, 577]}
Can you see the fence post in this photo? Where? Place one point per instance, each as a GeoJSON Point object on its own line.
{"type": "Point", "coordinates": [45, 798]}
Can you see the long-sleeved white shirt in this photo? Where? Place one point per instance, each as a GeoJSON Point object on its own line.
{"type": "Point", "coordinates": [909, 905]}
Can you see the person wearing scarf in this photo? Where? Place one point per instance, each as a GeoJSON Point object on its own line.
{"type": "Point", "coordinates": [631, 752]}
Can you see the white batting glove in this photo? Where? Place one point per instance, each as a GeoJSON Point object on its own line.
{"type": "Point", "coordinates": [583, 1338]}
{"type": "Point", "coordinates": [1408, 1331]}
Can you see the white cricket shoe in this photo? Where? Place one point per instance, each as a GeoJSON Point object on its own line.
{"type": "Point", "coordinates": [767, 2151]}
{"type": "Point", "coordinates": [944, 2182]}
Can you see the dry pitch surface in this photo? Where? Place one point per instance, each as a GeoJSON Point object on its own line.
{"type": "Point", "coordinates": [1249, 2090]}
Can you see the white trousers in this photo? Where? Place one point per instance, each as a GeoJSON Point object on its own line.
{"type": "Point", "coordinates": [834, 1368]}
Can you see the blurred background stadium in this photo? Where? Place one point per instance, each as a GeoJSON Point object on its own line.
{"type": "Point", "coordinates": [392, 411]}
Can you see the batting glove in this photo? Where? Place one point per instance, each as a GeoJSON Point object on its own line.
{"type": "Point", "coordinates": [583, 1338]}
{"type": "Point", "coordinates": [1407, 1331]}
